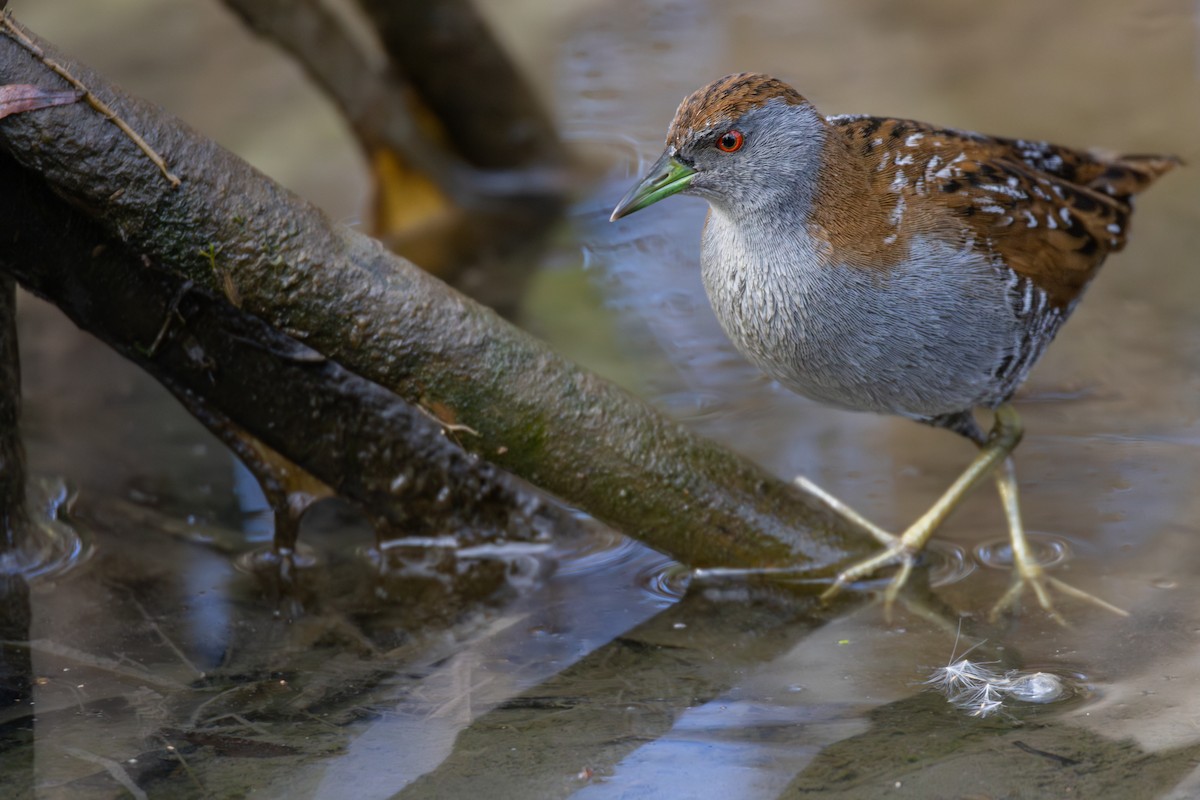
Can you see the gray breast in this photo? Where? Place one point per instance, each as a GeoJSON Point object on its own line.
{"type": "Point", "coordinates": [944, 331]}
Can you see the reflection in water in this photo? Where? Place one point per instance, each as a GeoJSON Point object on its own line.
{"type": "Point", "coordinates": [604, 549]}
{"type": "Point", "coordinates": [267, 559]}
{"type": "Point", "coordinates": [578, 669]}
{"type": "Point", "coordinates": [53, 544]}
{"type": "Point", "coordinates": [1049, 551]}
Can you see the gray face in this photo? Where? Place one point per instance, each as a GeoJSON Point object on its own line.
{"type": "Point", "coordinates": [762, 164]}
{"type": "Point", "coordinates": [776, 162]}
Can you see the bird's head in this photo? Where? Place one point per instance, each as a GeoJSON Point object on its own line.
{"type": "Point", "coordinates": [739, 142]}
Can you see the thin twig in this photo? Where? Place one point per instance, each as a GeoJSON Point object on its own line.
{"type": "Point", "coordinates": [451, 427]}
{"type": "Point", "coordinates": [113, 768]}
{"type": "Point", "coordinates": [210, 724]}
{"type": "Point", "coordinates": [154, 626]}
{"type": "Point", "coordinates": [14, 32]}
{"type": "Point", "coordinates": [195, 720]}
{"type": "Point", "coordinates": [52, 648]}
{"type": "Point", "coordinates": [173, 750]}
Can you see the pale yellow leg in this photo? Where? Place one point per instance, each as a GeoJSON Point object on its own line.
{"type": "Point", "coordinates": [843, 510]}
{"type": "Point", "coordinates": [1006, 433]}
{"type": "Point", "coordinates": [1026, 570]}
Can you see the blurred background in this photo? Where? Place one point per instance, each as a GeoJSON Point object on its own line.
{"type": "Point", "coordinates": [1109, 468]}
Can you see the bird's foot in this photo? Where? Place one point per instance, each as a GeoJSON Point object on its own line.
{"type": "Point", "coordinates": [902, 550]}
{"type": "Point", "coordinates": [898, 552]}
{"type": "Point", "coordinates": [1035, 577]}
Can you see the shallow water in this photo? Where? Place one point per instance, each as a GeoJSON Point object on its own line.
{"type": "Point", "coordinates": [576, 669]}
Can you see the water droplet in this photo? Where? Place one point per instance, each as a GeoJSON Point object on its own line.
{"type": "Point", "coordinates": [1037, 687]}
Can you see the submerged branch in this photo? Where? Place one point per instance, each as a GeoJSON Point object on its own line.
{"type": "Point", "coordinates": [234, 232]}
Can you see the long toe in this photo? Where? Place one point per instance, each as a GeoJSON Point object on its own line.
{"type": "Point", "coordinates": [1035, 578]}
{"type": "Point", "coordinates": [896, 553]}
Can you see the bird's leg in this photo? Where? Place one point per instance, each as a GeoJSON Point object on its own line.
{"type": "Point", "coordinates": [843, 510]}
{"type": "Point", "coordinates": [1006, 433]}
{"type": "Point", "coordinates": [1026, 570]}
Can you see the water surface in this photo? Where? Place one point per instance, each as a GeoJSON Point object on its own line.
{"type": "Point", "coordinates": [576, 670]}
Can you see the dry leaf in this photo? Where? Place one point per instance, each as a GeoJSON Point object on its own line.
{"type": "Point", "coordinates": [18, 97]}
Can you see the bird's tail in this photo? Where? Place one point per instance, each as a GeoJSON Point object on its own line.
{"type": "Point", "coordinates": [1124, 176]}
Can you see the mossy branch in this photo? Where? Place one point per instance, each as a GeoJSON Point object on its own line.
{"type": "Point", "coordinates": [382, 319]}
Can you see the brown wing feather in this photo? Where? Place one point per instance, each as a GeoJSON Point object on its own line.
{"type": "Point", "coordinates": [1050, 212]}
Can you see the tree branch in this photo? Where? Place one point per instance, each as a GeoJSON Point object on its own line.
{"type": "Point", "coordinates": [226, 365]}
{"type": "Point", "coordinates": [231, 230]}
{"type": "Point", "coordinates": [467, 168]}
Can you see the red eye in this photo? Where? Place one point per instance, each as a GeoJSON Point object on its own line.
{"type": "Point", "coordinates": [731, 141]}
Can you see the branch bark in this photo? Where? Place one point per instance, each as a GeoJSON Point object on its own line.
{"type": "Point", "coordinates": [12, 454]}
{"type": "Point", "coordinates": [447, 52]}
{"type": "Point", "coordinates": [226, 365]}
{"type": "Point", "coordinates": [370, 97]}
{"type": "Point", "coordinates": [231, 230]}
{"type": "Point", "coordinates": [496, 145]}
{"type": "Point", "coordinates": [468, 170]}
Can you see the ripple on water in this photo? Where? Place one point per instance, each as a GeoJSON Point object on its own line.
{"type": "Point", "coordinates": [525, 563]}
{"type": "Point", "coordinates": [1052, 684]}
{"type": "Point", "coordinates": [664, 579]}
{"type": "Point", "coordinates": [1039, 687]}
{"type": "Point", "coordinates": [53, 544]}
{"type": "Point", "coordinates": [267, 559]}
{"type": "Point", "coordinates": [602, 548]}
{"type": "Point", "coordinates": [1048, 551]}
{"type": "Point", "coordinates": [948, 563]}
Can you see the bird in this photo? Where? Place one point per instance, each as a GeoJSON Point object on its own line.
{"type": "Point", "coordinates": [893, 266]}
